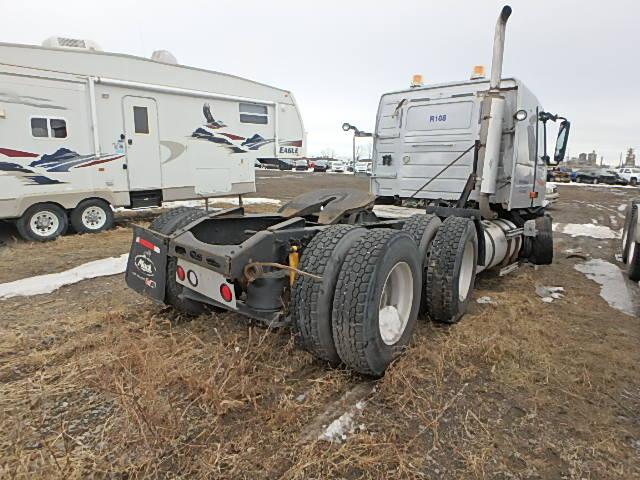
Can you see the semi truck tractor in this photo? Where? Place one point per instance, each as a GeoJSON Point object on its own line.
{"type": "Point", "coordinates": [457, 187]}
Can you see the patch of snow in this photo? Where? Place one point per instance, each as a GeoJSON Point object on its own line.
{"type": "Point", "coordinates": [549, 294]}
{"type": "Point", "coordinates": [41, 284]}
{"type": "Point", "coordinates": [338, 429]}
{"type": "Point", "coordinates": [613, 287]}
{"type": "Point", "coordinates": [486, 301]}
{"type": "Point", "coordinates": [622, 207]}
{"type": "Point", "coordinates": [586, 230]}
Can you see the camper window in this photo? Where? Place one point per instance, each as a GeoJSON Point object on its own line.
{"type": "Point", "coordinates": [48, 127]}
{"type": "Point", "coordinates": [58, 128]}
{"type": "Point", "coordinates": [140, 120]}
{"type": "Point", "coordinates": [39, 127]}
{"type": "Point", "coordinates": [252, 113]}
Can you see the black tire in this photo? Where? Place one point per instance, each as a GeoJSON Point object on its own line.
{"type": "Point", "coordinates": [168, 223]}
{"type": "Point", "coordinates": [629, 221]}
{"type": "Point", "coordinates": [447, 298]}
{"type": "Point", "coordinates": [54, 222]}
{"type": "Point", "coordinates": [633, 265]}
{"type": "Point", "coordinates": [542, 243]}
{"type": "Point", "coordinates": [92, 216]}
{"type": "Point", "coordinates": [633, 182]}
{"type": "Point", "coordinates": [312, 300]}
{"type": "Point", "coordinates": [423, 229]}
{"type": "Point", "coordinates": [359, 289]}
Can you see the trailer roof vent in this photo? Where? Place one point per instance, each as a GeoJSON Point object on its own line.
{"type": "Point", "coordinates": [72, 43]}
{"type": "Point", "coordinates": [164, 56]}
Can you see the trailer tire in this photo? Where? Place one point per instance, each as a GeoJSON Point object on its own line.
{"type": "Point", "coordinates": [312, 300]}
{"type": "Point", "coordinates": [542, 243]}
{"type": "Point", "coordinates": [168, 223]}
{"type": "Point", "coordinates": [42, 222]}
{"type": "Point", "coordinates": [92, 216]}
{"type": "Point", "coordinates": [632, 212]}
{"type": "Point", "coordinates": [377, 299]}
{"type": "Point", "coordinates": [423, 229]}
{"type": "Point", "coordinates": [451, 271]}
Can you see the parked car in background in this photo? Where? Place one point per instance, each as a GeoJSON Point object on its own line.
{"type": "Point", "coordinates": [338, 167]}
{"type": "Point", "coordinates": [369, 168]}
{"type": "Point", "coordinates": [286, 165]}
{"type": "Point", "coordinates": [321, 166]}
{"type": "Point", "coordinates": [630, 174]}
{"type": "Point", "coordinates": [361, 167]}
{"type": "Point", "coordinates": [301, 165]}
{"type": "Point", "coordinates": [608, 177]}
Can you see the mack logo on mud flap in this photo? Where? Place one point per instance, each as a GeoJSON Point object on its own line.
{"type": "Point", "coordinates": [289, 149]}
{"type": "Point", "coordinates": [145, 265]}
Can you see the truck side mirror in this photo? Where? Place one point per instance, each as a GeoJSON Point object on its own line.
{"type": "Point", "coordinates": [562, 141]}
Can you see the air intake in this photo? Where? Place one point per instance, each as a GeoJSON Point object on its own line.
{"type": "Point", "coordinates": [70, 43]}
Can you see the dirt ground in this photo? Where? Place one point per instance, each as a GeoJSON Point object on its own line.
{"type": "Point", "coordinates": [97, 381]}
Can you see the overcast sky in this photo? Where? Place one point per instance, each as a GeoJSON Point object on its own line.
{"type": "Point", "coordinates": [580, 57]}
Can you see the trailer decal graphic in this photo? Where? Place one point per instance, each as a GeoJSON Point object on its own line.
{"type": "Point", "coordinates": [236, 143]}
{"type": "Point", "coordinates": [9, 152]}
{"type": "Point", "coordinates": [63, 159]}
{"type": "Point", "coordinates": [60, 161]}
{"type": "Point", "coordinates": [26, 176]}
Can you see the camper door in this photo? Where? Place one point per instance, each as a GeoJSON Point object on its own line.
{"type": "Point", "coordinates": [142, 143]}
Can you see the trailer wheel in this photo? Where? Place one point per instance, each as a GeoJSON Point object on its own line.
{"type": "Point", "coordinates": [542, 243]}
{"type": "Point", "coordinates": [168, 223]}
{"type": "Point", "coordinates": [451, 271]}
{"type": "Point", "coordinates": [42, 222]}
{"type": "Point", "coordinates": [632, 211]}
{"type": "Point", "coordinates": [423, 229]}
{"type": "Point", "coordinates": [633, 267]}
{"type": "Point", "coordinates": [312, 300]}
{"type": "Point", "coordinates": [376, 301]}
{"type": "Point", "coordinates": [92, 216]}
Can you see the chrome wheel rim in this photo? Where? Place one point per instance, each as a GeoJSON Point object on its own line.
{"type": "Point", "coordinates": [45, 223]}
{"type": "Point", "coordinates": [466, 271]}
{"type": "Point", "coordinates": [94, 217]}
{"type": "Point", "coordinates": [395, 303]}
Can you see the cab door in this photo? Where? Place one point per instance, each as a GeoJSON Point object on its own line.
{"type": "Point", "coordinates": [142, 143]}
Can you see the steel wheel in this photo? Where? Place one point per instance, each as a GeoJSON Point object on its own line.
{"type": "Point", "coordinates": [396, 302]}
{"type": "Point", "coordinates": [467, 270]}
{"type": "Point", "coordinates": [45, 224]}
{"type": "Point", "coordinates": [94, 218]}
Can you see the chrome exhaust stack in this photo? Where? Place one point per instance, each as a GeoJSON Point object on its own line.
{"type": "Point", "coordinates": [492, 117]}
{"type": "Point", "coordinates": [498, 47]}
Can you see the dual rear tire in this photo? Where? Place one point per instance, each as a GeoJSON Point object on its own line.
{"type": "Point", "coordinates": [363, 311]}
{"type": "Point", "coordinates": [631, 248]}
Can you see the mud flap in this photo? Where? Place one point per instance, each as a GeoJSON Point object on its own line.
{"type": "Point", "coordinates": [147, 264]}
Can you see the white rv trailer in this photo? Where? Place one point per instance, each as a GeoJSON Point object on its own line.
{"type": "Point", "coordinates": [82, 130]}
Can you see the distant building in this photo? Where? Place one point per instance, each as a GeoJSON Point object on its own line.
{"type": "Point", "coordinates": [592, 158]}
{"type": "Point", "coordinates": [630, 159]}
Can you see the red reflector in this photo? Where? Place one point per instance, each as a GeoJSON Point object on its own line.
{"type": "Point", "coordinates": [180, 273]}
{"type": "Point", "coordinates": [226, 293]}
{"type": "Point", "coordinates": [533, 194]}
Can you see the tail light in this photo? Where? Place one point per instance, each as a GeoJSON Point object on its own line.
{"type": "Point", "coordinates": [180, 273]}
{"type": "Point", "coordinates": [226, 293]}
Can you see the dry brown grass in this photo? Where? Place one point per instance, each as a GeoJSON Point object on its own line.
{"type": "Point", "coordinates": [112, 386]}
{"type": "Point", "coordinates": [505, 394]}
